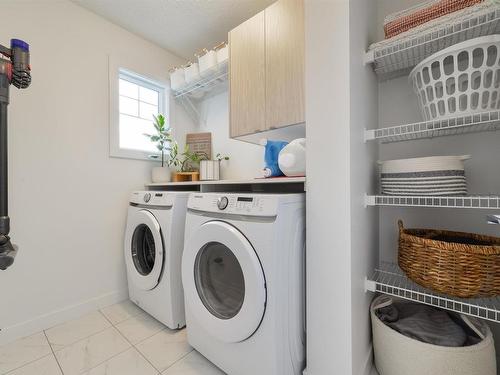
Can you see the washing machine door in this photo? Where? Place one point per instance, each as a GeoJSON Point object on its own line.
{"type": "Point", "coordinates": [144, 251]}
{"type": "Point", "coordinates": [224, 283]}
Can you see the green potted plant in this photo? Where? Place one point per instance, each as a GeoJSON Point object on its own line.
{"type": "Point", "coordinates": [193, 165]}
{"type": "Point", "coordinates": [162, 138]}
{"type": "Point", "coordinates": [186, 163]}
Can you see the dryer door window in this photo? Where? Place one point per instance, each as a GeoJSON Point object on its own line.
{"type": "Point", "coordinates": [219, 280]}
{"type": "Point", "coordinates": [143, 250]}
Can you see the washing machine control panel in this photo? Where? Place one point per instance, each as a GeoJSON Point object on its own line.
{"type": "Point", "coordinates": [151, 198]}
{"type": "Point", "coordinates": [239, 204]}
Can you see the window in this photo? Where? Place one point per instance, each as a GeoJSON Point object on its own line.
{"type": "Point", "coordinates": [138, 99]}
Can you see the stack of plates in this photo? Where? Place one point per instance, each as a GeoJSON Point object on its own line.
{"type": "Point", "coordinates": [429, 176]}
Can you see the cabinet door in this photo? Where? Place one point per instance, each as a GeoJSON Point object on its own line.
{"type": "Point", "coordinates": [247, 77]}
{"type": "Point", "coordinates": [285, 63]}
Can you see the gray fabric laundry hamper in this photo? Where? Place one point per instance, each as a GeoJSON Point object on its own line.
{"type": "Point", "coordinates": [396, 354]}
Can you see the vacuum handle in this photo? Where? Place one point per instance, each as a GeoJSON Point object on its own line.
{"type": "Point", "coordinates": [4, 182]}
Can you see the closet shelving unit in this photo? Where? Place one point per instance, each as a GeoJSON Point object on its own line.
{"type": "Point", "coordinates": [480, 122]}
{"type": "Point", "coordinates": [395, 60]}
{"type": "Point", "coordinates": [190, 95]}
{"type": "Point", "coordinates": [389, 279]}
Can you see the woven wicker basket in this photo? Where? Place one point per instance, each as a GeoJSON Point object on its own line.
{"type": "Point", "coordinates": [459, 264]}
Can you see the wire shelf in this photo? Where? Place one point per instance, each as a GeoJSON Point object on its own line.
{"type": "Point", "coordinates": [198, 89]}
{"type": "Point", "coordinates": [395, 59]}
{"type": "Point", "coordinates": [470, 202]}
{"type": "Point", "coordinates": [389, 279]}
{"type": "Point", "coordinates": [480, 122]}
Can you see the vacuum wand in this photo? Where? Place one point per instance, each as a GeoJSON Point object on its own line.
{"type": "Point", "coordinates": [14, 69]}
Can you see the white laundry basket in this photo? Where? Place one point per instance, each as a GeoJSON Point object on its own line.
{"type": "Point", "coordinates": [459, 80]}
{"type": "Point", "coordinates": [396, 354]}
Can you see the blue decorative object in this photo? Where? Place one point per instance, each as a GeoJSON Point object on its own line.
{"type": "Point", "coordinates": [271, 154]}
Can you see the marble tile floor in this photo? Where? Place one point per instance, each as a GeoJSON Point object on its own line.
{"type": "Point", "coordinates": [118, 340]}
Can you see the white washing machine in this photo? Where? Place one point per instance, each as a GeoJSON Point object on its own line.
{"type": "Point", "coordinates": [243, 277]}
{"type": "Point", "coordinates": [154, 241]}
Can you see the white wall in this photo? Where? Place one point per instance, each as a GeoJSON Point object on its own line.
{"type": "Point", "coordinates": [246, 159]}
{"type": "Point", "coordinates": [68, 198]}
{"type": "Point", "coordinates": [328, 188]}
{"type": "Point", "coordinates": [246, 155]}
{"type": "Point", "coordinates": [364, 221]}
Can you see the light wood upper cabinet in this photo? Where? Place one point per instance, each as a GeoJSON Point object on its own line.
{"type": "Point", "coordinates": [247, 77]}
{"type": "Point", "coordinates": [285, 63]}
{"type": "Point", "coordinates": [266, 70]}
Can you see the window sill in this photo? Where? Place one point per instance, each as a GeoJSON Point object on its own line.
{"type": "Point", "coordinates": [133, 154]}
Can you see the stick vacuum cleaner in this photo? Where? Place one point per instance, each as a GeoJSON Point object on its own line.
{"type": "Point", "coordinates": [14, 69]}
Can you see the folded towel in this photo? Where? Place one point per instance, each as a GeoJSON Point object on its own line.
{"type": "Point", "coordinates": [421, 15]}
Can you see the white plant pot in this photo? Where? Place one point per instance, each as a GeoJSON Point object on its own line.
{"type": "Point", "coordinates": [160, 174]}
{"type": "Point", "coordinates": [210, 170]}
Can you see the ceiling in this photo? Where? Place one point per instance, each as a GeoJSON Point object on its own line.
{"type": "Point", "coordinates": [180, 26]}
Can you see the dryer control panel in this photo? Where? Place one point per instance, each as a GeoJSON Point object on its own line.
{"type": "Point", "coordinates": [237, 204]}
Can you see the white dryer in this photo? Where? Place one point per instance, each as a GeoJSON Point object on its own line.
{"type": "Point", "coordinates": [154, 241]}
{"type": "Point", "coordinates": [243, 277]}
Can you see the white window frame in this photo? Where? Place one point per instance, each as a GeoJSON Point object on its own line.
{"type": "Point", "coordinates": [117, 72]}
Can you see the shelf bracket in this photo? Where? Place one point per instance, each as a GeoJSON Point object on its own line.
{"type": "Point", "coordinates": [369, 57]}
{"type": "Point", "coordinates": [368, 135]}
{"type": "Point", "coordinates": [190, 108]}
{"type": "Point", "coordinates": [370, 285]}
{"type": "Point", "coordinates": [369, 200]}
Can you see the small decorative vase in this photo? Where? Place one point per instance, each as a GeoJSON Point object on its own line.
{"type": "Point", "coordinates": [160, 174]}
{"type": "Point", "coordinates": [210, 170]}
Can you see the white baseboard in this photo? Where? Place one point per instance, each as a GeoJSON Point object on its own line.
{"type": "Point", "coordinates": [369, 368]}
{"type": "Point", "coordinates": [45, 321]}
